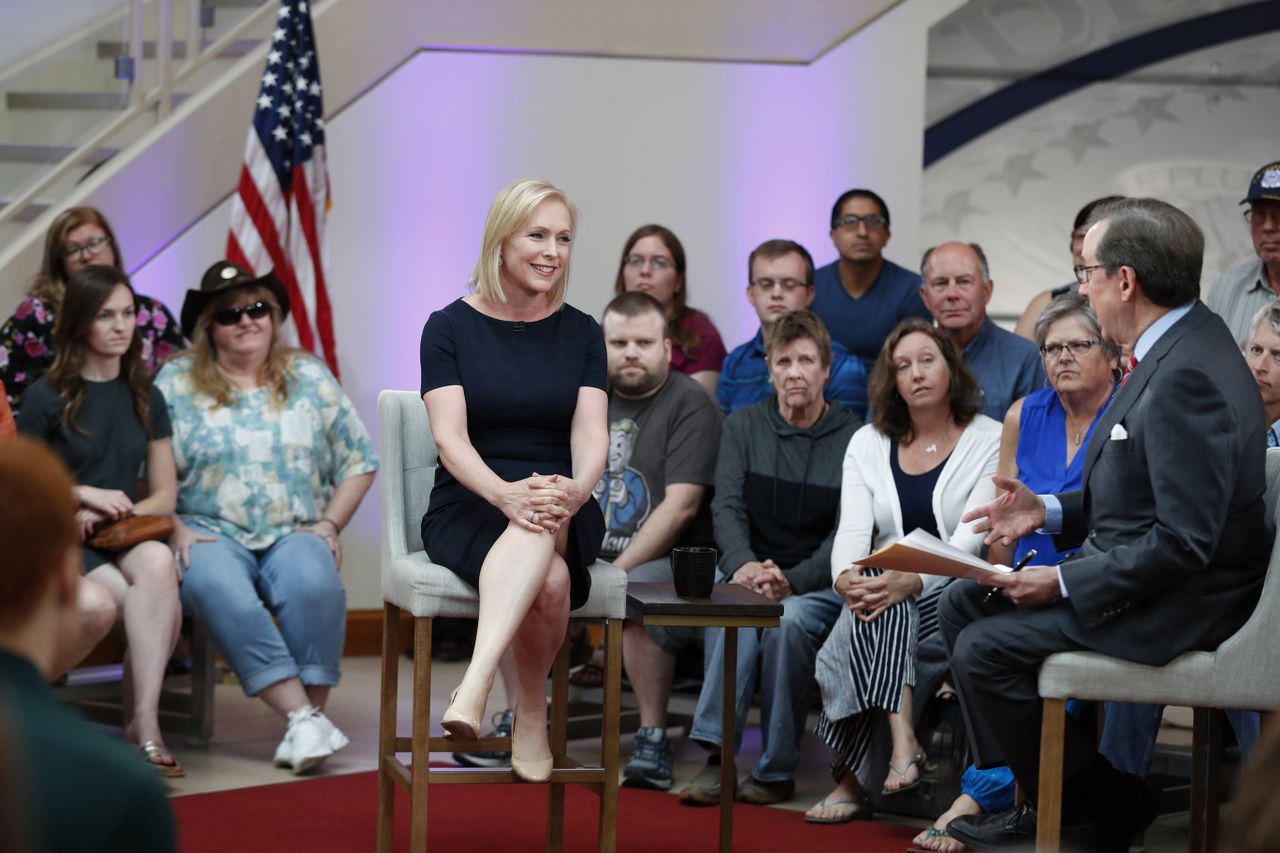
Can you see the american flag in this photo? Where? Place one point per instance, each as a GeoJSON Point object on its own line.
{"type": "Point", "coordinates": [278, 215]}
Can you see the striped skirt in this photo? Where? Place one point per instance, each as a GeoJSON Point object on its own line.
{"type": "Point", "coordinates": [863, 667]}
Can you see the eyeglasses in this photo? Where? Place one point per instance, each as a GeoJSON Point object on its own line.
{"type": "Point", "coordinates": [766, 285]}
{"type": "Point", "coordinates": [1262, 214]}
{"type": "Point", "coordinates": [657, 263]}
{"type": "Point", "coordinates": [872, 221]}
{"type": "Point", "coordinates": [1077, 348]}
{"type": "Point", "coordinates": [1082, 271]}
{"type": "Point", "coordinates": [964, 282]}
{"type": "Point", "coordinates": [231, 316]}
{"type": "Point", "coordinates": [91, 246]}
{"type": "Point", "coordinates": [1257, 351]}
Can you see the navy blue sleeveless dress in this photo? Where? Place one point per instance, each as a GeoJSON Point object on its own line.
{"type": "Point", "coordinates": [521, 384]}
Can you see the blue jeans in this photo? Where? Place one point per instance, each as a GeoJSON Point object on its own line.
{"type": "Point", "coordinates": [786, 656]}
{"type": "Point", "coordinates": [1129, 736]}
{"type": "Point", "coordinates": [234, 592]}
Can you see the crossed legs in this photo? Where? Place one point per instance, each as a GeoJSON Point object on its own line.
{"type": "Point", "coordinates": [524, 606]}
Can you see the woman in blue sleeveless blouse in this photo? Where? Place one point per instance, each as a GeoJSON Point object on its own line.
{"type": "Point", "coordinates": [1042, 445]}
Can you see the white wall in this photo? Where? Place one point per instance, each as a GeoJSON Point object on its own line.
{"type": "Point", "coordinates": [726, 155]}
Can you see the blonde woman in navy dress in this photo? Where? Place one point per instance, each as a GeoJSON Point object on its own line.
{"type": "Point", "coordinates": [515, 385]}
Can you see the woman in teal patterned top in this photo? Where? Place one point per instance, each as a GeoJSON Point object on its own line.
{"type": "Point", "coordinates": [272, 462]}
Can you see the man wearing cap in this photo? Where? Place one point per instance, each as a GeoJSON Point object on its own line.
{"type": "Point", "coordinates": [1249, 286]}
{"type": "Point", "coordinates": [779, 281]}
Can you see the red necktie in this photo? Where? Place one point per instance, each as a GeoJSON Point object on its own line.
{"type": "Point", "coordinates": [1133, 362]}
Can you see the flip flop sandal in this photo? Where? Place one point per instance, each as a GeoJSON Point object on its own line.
{"type": "Point", "coordinates": [155, 755]}
{"type": "Point", "coordinates": [933, 832]}
{"type": "Point", "coordinates": [861, 811]}
{"type": "Point", "coordinates": [918, 762]}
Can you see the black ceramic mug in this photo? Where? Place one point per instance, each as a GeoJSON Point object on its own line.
{"type": "Point", "coordinates": [694, 571]}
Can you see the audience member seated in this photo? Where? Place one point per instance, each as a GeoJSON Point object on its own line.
{"type": "Point", "coordinates": [97, 409]}
{"type": "Point", "coordinates": [780, 280]}
{"type": "Point", "coordinates": [1262, 353]}
{"type": "Point", "coordinates": [1251, 285]}
{"type": "Point", "coordinates": [862, 295]}
{"type": "Point", "coordinates": [1026, 327]}
{"type": "Point", "coordinates": [927, 456]}
{"type": "Point", "coordinates": [775, 507]}
{"type": "Point", "coordinates": [957, 287]}
{"type": "Point", "coordinates": [79, 789]}
{"type": "Point", "coordinates": [653, 262]}
{"type": "Point", "coordinates": [664, 434]}
{"type": "Point", "coordinates": [1041, 445]}
{"type": "Point", "coordinates": [272, 462]}
{"type": "Point", "coordinates": [79, 237]}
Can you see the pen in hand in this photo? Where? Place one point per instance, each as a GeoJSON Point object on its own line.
{"type": "Point", "coordinates": [1027, 558]}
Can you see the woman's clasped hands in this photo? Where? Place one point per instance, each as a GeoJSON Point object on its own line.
{"type": "Point", "coordinates": [542, 503]}
{"type": "Point", "coordinates": [867, 596]}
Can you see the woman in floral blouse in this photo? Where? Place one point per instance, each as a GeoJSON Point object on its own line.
{"type": "Point", "coordinates": [79, 237]}
{"type": "Point", "coordinates": [272, 463]}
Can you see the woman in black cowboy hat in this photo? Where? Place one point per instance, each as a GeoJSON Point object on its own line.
{"type": "Point", "coordinates": [272, 462]}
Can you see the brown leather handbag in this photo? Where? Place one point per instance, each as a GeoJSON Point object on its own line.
{"type": "Point", "coordinates": [127, 532]}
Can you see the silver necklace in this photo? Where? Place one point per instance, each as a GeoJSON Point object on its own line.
{"type": "Point", "coordinates": [933, 448]}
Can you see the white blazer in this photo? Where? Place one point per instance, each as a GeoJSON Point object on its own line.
{"type": "Point", "coordinates": [870, 515]}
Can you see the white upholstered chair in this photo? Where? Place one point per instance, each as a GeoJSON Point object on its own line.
{"type": "Point", "coordinates": [425, 590]}
{"type": "Point", "coordinates": [1243, 673]}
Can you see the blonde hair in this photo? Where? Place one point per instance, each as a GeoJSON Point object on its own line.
{"type": "Point", "coordinates": [205, 376]}
{"type": "Point", "coordinates": [511, 209]}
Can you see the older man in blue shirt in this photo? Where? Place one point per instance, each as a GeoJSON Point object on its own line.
{"type": "Point", "coordinates": [956, 289]}
{"type": "Point", "coordinates": [780, 280]}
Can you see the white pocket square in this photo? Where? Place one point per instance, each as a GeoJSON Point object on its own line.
{"type": "Point", "coordinates": [1119, 433]}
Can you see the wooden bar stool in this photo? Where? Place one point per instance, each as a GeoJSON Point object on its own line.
{"type": "Point", "coordinates": [412, 583]}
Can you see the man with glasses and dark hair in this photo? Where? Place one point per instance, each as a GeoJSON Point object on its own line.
{"type": "Point", "coordinates": [1249, 286]}
{"type": "Point", "coordinates": [956, 289]}
{"type": "Point", "coordinates": [862, 295]}
{"type": "Point", "coordinates": [1170, 520]}
{"type": "Point", "coordinates": [779, 281]}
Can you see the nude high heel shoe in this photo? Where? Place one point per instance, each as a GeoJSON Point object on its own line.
{"type": "Point", "coordinates": [457, 726]}
{"type": "Point", "coordinates": [529, 770]}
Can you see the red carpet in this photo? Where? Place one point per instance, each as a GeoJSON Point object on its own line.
{"type": "Point", "coordinates": [336, 813]}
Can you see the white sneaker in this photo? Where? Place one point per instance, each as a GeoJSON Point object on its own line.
{"type": "Point", "coordinates": [313, 739]}
{"type": "Point", "coordinates": [284, 752]}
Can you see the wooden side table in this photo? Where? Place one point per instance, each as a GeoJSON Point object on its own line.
{"type": "Point", "coordinates": [731, 606]}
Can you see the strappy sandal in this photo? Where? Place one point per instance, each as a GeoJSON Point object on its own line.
{"type": "Point", "coordinates": [155, 755]}
{"type": "Point", "coordinates": [917, 762]}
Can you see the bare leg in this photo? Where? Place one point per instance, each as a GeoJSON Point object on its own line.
{"type": "Point", "coordinates": [98, 614]}
{"type": "Point", "coordinates": [651, 669]}
{"type": "Point", "coordinates": [286, 696]}
{"type": "Point", "coordinates": [152, 619]}
{"type": "Point", "coordinates": [537, 640]}
{"type": "Point", "coordinates": [317, 695]}
{"type": "Point", "coordinates": [905, 745]}
{"type": "Point", "coordinates": [513, 574]}
{"type": "Point", "coordinates": [510, 678]}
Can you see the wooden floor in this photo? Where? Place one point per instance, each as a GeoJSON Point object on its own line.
{"type": "Point", "coordinates": [246, 734]}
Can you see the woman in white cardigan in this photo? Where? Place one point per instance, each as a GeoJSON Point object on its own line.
{"type": "Point", "coordinates": [924, 460]}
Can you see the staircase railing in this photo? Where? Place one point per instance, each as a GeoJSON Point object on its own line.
{"type": "Point", "coordinates": [159, 97]}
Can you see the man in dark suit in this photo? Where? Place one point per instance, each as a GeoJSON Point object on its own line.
{"type": "Point", "coordinates": [1171, 522]}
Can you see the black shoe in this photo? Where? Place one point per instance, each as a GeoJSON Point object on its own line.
{"type": "Point", "coordinates": [1015, 830]}
{"type": "Point", "coordinates": [1117, 831]}
{"type": "Point", "coordinates": [501, 728]}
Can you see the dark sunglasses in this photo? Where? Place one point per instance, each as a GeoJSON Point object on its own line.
{"type": "Point", "coordinates": [231, 316]}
